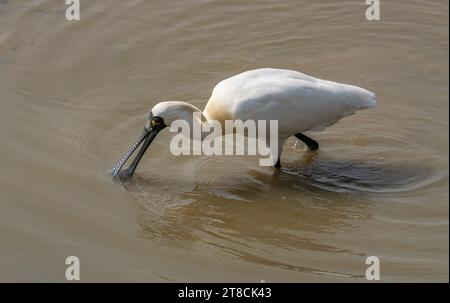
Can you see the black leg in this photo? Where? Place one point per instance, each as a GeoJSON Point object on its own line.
{"type": "Point", "coordinates": [278, 164]}
{"type": "Point", "coordinates": [312, 144]}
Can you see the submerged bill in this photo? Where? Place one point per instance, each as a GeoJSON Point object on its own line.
{"type": "Point", "coordinates": [116, 168]}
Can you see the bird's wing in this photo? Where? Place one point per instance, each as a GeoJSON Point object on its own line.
{"type": "Point", "coordinates": [298, 102]}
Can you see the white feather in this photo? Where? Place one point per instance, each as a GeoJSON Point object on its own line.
{"type": "Point", "coordinates": [299, 102]}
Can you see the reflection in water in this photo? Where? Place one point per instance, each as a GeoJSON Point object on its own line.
{"type": "Point", "coordinates": [350, 176]}
{"type": "Point", "coordinates": [258, 214]}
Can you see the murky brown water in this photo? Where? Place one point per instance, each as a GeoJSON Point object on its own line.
{"type": "Point", "coordinates": [75, 94]}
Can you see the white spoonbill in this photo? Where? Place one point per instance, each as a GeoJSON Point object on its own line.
{"type": "Point", "coordinates": [299, 102]}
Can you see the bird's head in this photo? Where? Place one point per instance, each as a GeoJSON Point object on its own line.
{"type": "Point", "coordinates": [161, 115]}
{"type": "Point", "coordinates": [169, 111]}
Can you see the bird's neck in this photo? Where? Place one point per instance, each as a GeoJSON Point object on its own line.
{"type": "Point", "coordinates": [210, 128]}
{"type": "Point", "coordinates": [216, 111]}
{"type": "Point", "coordinates": [206, 124]}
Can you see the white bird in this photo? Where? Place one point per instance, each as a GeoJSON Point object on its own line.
{"type": "Point", "coordinates": [299, 102]}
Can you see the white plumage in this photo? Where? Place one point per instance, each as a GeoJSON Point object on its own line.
{"type": "Point", "coordinates": [299, 102]}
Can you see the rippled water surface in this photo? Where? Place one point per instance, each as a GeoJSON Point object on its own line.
{"type": "Point", "coordinates": [74, 95]}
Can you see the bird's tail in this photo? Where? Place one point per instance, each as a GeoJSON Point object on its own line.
{"type": "Point", "coordinates": [360, 98]}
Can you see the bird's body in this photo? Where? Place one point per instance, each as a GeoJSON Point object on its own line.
{"type": "Point", "coordinates": [297, 101]}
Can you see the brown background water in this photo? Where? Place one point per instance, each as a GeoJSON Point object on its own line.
{"type": "Point", "coordinates": [74, 95]}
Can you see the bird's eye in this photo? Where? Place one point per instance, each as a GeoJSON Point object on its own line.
{"type": "Point", "coordinates": [157, 121]}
